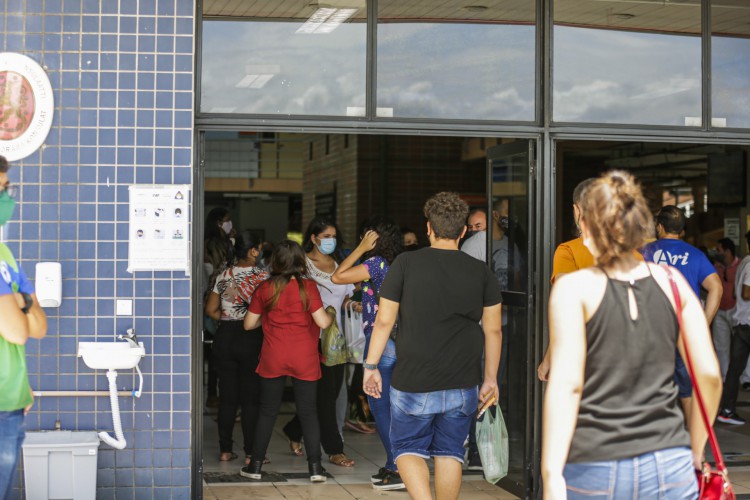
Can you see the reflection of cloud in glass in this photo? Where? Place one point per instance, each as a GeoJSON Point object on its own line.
{"type": "Point", "coordinates": [730, 61]}
{"type": "Point", "coordinates": [457, 71]}
{"type": "Point", "coordinates": [320, 74]}
{"type": "Point", "coordinates": [607, 76]}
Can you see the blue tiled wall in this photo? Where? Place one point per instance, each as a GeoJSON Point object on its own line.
{"type": "Point", "coordinates": [122, 75]}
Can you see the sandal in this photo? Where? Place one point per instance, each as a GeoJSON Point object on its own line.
{"type": "Point", "coordinates": [296, 448]}
{"type": "Point", "coordinates": [358, 426]}
{"type": "Point", "coordinates": [226, 457]}
{"type": "Point", "coordinates": [341, 460]}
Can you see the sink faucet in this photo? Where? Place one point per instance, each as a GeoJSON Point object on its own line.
{"type": "Point", "coordinates": [130, 337]}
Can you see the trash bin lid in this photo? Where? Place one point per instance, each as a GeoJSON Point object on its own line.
{"type": "Point", "coordinates": [60, 439]}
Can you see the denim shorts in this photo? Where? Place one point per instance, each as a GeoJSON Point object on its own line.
{"type": "Point", "coordinates": [665, 474]}
{"type": "Point", "coordinates": [682, 378]}
{"type": "Point", "coordinates": [432, 424]}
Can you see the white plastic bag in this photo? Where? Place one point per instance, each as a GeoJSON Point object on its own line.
{"type": "Point", "coordinates": [355, 336]}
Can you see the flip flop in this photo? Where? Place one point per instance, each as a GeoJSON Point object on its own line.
{"type": "Point", "coordinates": [296, 448]}
{"type": "Point", "coordinates": [223, 457]}
{"type": "Point", "coordinates": [341, 460]}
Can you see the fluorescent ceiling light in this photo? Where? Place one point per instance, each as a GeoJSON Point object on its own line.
{"type": "Point", "coordinates": [325, 20]}
{"type": "Point", "coordinates": [257, 76]}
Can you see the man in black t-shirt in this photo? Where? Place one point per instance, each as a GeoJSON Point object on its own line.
{"type": "Point", "coordinates": [439, 295]}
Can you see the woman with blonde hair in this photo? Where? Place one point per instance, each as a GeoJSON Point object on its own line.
{"type": "Point", "coordinates": [613, 427]}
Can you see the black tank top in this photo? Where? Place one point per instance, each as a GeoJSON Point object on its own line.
{"type": "Point", "coordinates": [629, 404]}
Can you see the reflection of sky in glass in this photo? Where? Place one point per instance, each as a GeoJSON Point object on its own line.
{"type": "Point", "coordinates": [607, 76]}
{"type": "Point", "coordinates": [457, 71]}
{"type": "Point", "coordinates": [318, 74]}
{"type": "Point", "coordinates": [730, 61]}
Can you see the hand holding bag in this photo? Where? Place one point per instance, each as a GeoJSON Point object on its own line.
{"type": "Point", "coordinates": [355, 337]}
{"type": "Point", "coordinates": [712, 484]}
{"type": "Point", "coordinates": [333, 342]}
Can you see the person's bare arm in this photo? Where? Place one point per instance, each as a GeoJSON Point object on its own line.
{"type": "Point", "coordinates": [322, 318]}
{"type": "Point", "coordinates": [347, 272]}
{"type": "Point", "coordinates": [15, 326]}
{"type": "Point", "coordinates": [712, 284]}
{"type": "Point", "coordinates": [37, 320]}
{"type": "Point", "coordinates": [493, 345]}
{"type": "Point", "coordinates": [252, 321]}
{"type": "Point", "coordinates": [213, 306]}
{"type": "Point", "coordinates": [381, 331]}
{"type": "Point", "coordinates": [563, 396]}
{"type": "Point", "coordinates": [745, 292]}
{"type": "Point", "coordinates": [705, 365]}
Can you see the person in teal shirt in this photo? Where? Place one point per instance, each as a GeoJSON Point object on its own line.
{"type": "Point", "coordinates": [21, 318]}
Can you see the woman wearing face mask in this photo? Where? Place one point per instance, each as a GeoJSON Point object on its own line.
{"type": "Point", "coordinates": [235, 350]}
{"type": "Point", "coordinates": [218, 227]}
{"type": "Point", "coordinates": [322, 245]}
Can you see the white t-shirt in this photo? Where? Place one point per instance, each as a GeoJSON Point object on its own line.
{"type": "Point", "coordinates": [332, 294]}
{"type": "Point", "coordinates": [741, 311]}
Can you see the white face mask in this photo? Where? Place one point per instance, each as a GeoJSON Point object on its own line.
{"type": "Point", "coordinates": [227, 226]}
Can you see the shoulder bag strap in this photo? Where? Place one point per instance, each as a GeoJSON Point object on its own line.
{"type": "Point", "coordinates": [689, 362]}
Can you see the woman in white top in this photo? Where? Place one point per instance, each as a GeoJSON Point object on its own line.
{"type": "Point", "coordinates": [320, 243]}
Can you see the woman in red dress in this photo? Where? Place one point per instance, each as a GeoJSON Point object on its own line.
{"type": "Point", "coordinates": [292, 312]}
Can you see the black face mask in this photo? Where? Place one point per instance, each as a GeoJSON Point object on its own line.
{"type": "Point", "coordinates": [469, 234]}
{"type": "Point", "coordinates": [411, 248]}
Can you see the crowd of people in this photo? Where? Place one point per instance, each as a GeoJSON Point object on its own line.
{"type": "Point", "coordinates": [619, 415]}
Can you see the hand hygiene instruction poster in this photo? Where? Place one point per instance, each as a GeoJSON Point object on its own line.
{"type": "Point", "coordinates": [159, 228]}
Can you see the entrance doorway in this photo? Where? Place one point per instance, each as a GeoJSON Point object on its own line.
{"type": "Point", "coordinates": [273, 183]}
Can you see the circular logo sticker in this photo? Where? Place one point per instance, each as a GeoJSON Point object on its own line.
{"type": "Point", "coordinates": [26, 106]}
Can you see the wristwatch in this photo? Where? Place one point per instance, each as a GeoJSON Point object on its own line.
{"type": "Point", "coordinates": [368, 366]}
{"type": "Point", "coordinates": [28, 302]}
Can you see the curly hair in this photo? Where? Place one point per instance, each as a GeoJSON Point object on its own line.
{"type": "Point", "coordinates": [390, 238]}
{"type": "Point", "coordinates": [616, 215]}
{"type": "Point", "coordinates": [446, 213]}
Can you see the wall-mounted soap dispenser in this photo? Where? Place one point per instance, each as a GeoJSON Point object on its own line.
{"type": "Point", "coordinates": [49, 284]}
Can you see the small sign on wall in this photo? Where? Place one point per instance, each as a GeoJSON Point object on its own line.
{"type": "Point", "coordinates": [732, 230]}
{"type": "Point", "coordinates": [158, 229]}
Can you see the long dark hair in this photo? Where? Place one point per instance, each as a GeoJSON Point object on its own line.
{"type": "Point", "coordinates": [287, 262]}
{"type": "Point", "coordinates": [317, 226]}
{"type": "Point", "coordinates": [244, 242]}
{"type": "Point", "coordinates": [390, 239]}
{"type": "Point", "coordinates": [213, 228]}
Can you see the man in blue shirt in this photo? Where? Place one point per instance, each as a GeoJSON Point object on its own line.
{"type": "Point", "coordinates": [670, 250]}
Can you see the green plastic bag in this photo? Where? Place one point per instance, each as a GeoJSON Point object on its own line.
{"type": "Point", "coordinates": [492, 441]}
{"type": "Point", "coordinates": [333, 342]}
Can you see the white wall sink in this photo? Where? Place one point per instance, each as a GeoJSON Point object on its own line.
{"type": "Point", "coordinates": [111, 355]}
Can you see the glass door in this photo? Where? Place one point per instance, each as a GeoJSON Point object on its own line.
{"type": "Point", "coordinates": [510, 247]}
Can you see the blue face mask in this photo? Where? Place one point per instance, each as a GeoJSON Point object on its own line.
{"type": "Point", "coordinates": [327, 245]}
{"type": "Point", "coordinates": [7, 204]}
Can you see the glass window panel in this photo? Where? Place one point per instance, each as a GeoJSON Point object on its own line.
{"type": "Point", "coordinates": [286, 57]}
{"type": "Point", "coordinates": [627, 61]}
{"type": "Point", "coordinates": [730, 63]}
{"type": "Point", "coordinates": [454, 60]}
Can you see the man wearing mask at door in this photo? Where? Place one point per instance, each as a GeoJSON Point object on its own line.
{"type": "Point", "coordinates": [21, 318]}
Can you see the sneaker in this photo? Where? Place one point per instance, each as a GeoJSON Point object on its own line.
{"type": "Point", "coordinates": [392, 481]}
{"type": "Point", "coordinates": [730, 417]}
{"type": "Point", "coordinates": [376, 478]}
{"type": "Point", "coordinates": [253, 471]}
{"type": "Point", "coordinates": [317, 472]}
{"type": "Point", "coordinates": [475, 462]}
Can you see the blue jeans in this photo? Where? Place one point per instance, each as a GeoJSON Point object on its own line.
{"type": "Point", "coordinates": [432, 424]}
{"type": "Point", "coordinates": [11, 438]}
{"type": "Point", "coordinates": [381, 407]}
{"type": "Point", "coordinates": [665, 474]}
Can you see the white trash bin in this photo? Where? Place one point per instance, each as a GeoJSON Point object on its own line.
{"type": "Point", "coordinates": [60, 465]}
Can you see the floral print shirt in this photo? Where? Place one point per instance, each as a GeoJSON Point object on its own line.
{"type": "Point", "coordinates": [377, 267]}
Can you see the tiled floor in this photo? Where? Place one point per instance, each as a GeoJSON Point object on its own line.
{"type": "Point", "coordinates": [347, 483]}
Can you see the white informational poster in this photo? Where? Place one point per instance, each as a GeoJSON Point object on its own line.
{"type": "Point", "coordinates": [158, 231]}
{"type": "Point", "coordinates": [732, 230]}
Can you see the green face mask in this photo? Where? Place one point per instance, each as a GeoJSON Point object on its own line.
{"type": "Point", "coordinates": [7, 204]}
